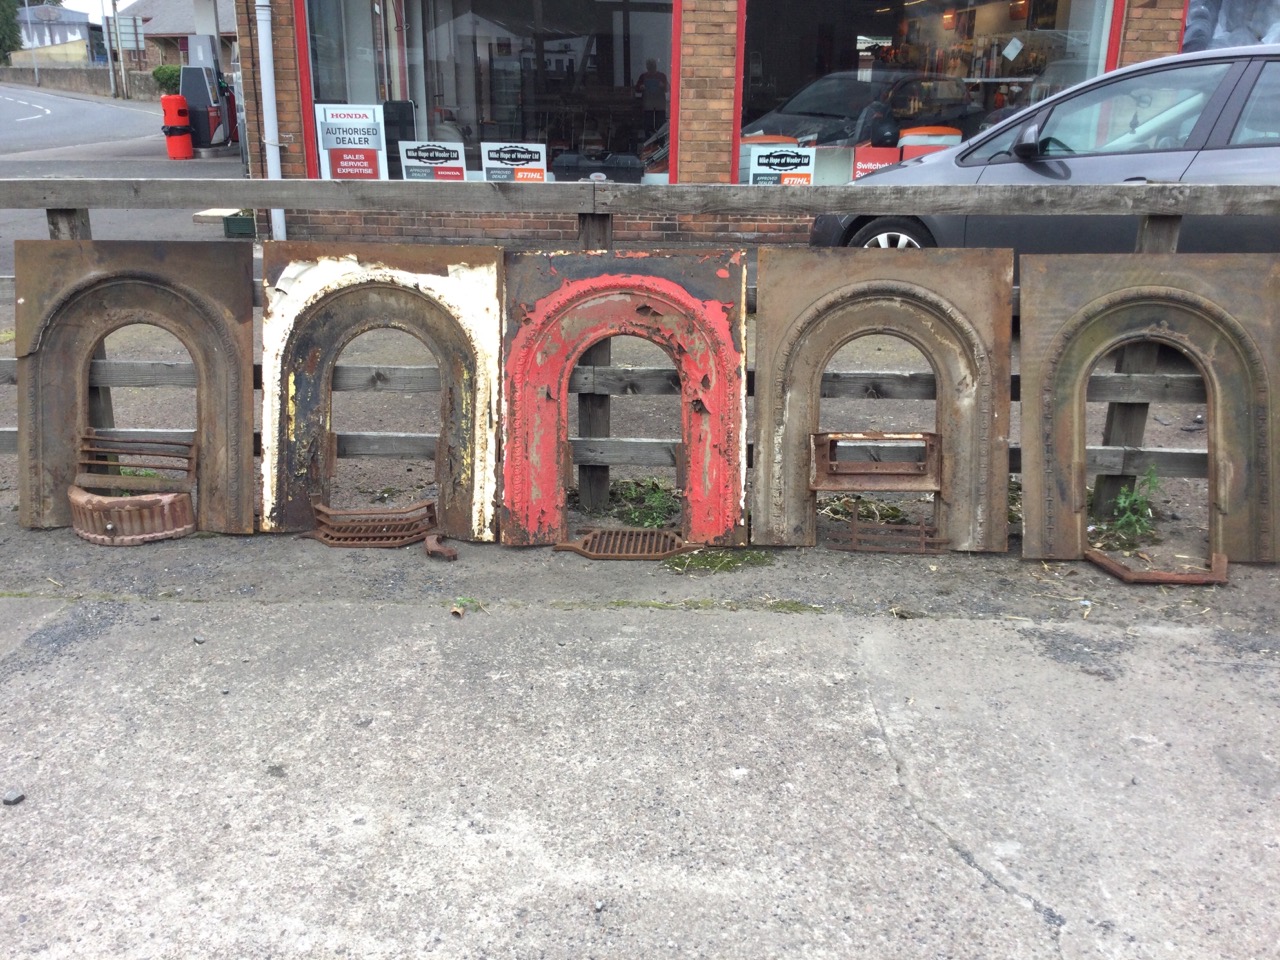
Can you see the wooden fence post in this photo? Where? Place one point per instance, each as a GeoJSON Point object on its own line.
{"type": "Point", "coordinates": [1127, 422]}
{"type": "Point", "coordinates": [595, 232]}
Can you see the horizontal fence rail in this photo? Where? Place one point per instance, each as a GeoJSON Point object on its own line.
{"type": "Point", "coordinates": [609, 199]}
{"type": "Point", "coordinates": [646, 381]}
{"type": "Point", "coordinates": [1182, 388]}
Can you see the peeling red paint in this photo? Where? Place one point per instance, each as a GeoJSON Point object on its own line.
{"type": "Point", "coordinates": [701, 338]}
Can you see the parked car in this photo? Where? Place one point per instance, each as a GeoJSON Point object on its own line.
{"type": "Point", "coordinates": [1209, 117]}
{"type": "Point", "coordinates": [840, 109]}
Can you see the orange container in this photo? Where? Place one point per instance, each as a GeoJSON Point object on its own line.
{"type": "Point", "coordinates": [177, 127]}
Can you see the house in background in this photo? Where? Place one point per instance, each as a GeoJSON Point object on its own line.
{"type": "Point", "coordinates": [59, 36]}
{"type": "Point", "coordinates": [167, 25]}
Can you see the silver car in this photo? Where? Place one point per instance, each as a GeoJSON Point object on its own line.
{"type": "Point", "coordinates": [1210, 117]}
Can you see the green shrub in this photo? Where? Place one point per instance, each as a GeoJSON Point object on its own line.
{"type": "Point", "coordinates": [167, 77]}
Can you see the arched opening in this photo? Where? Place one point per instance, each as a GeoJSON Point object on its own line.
{"type": "Point", "coordinates": [385, 402]}
{"type": "Point", "coordinates": [326, 312]}
{"type": "Point", "coordinates": [875, 450]}
{"type": "Point", "coordinates": [1149, 445]}
{"type": "Point", "coordinates": [74, 296]}
{"type": "Point", "coordinates": [703, 339]}
{"type": "Point", "coordinates": [120, 405]}
{"type": "Point", "coordinates": [643, 426]}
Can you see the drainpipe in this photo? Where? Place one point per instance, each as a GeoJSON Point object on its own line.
{"type": "Point", "coordinates": [270, 119]}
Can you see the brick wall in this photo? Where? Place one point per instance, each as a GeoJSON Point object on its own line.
{"type": "Point", "coordinates": [529, 231]}
{"type": "Point", "coordinates": [288, 104]}
{"type": "Point", "coordinates": [1152, 28]}
{"type": "Point", "coordinates": [708, 82]}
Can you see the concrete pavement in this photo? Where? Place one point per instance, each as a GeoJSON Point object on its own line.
{"type": "Point", "coordinates": [259, 747]}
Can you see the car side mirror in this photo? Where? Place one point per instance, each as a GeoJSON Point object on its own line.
{"type": "Point", "coordinates": [1027, 146]}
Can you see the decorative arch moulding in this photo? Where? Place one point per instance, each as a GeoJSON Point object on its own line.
{"type": "Point", "coordinates": [321, 297]}
{"type": "Point", "coordinates": [70, 295]}
{"type": "Point", "coordinates": [1221, 312]}
{"type": "Point", "coordinates": [690, 304]}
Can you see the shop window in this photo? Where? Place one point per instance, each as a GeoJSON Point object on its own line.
{"type": "Point", "coordinates": [997, 56]}
{"type": "Point", "coordinates": [585, 79]}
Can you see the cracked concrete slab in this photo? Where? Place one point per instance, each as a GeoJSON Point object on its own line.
{"type": "Point", "coordinates": [1121, 783]}
{"type": "Point", "coordinates": [258, 747]}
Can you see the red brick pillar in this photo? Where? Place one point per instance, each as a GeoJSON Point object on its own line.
{"type": "Point", "coordinates": [708, 85]}
{"type": "Point", "coordinates": [1152, 28]}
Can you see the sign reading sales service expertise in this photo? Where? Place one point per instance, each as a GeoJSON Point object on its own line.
{"type": "Point", "coordinates": [352, 146]}
{"type": "Point", "coordinates": [421, 160]}
{"type": "Point", "coordinates": [784, 165]}
{"type": "Point", "coordinates": [518, 162]}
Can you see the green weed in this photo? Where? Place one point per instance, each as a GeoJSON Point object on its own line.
{"type": "Point", "coordinates": [644, 503]}
{"type": "Point", "coordinates": [1133, 521]}
{"type": "Point", "coordinates": [717, 561]}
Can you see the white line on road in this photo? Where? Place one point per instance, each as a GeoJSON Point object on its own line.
{"type": "Point", "coordinates": [45, 111]}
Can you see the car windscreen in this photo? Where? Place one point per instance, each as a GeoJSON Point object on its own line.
{"type": "Point", "coordinates": [834, 96]}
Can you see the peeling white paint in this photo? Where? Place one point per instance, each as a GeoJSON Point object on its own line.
{"type": "Point", "coordinates": [470, 293]}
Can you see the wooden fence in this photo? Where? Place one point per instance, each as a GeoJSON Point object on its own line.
{"type": "Point", "coordinates": [1162, 206]}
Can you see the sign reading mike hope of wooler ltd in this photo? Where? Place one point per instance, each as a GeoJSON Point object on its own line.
{"type": "Point", "coordinates": [786, 165]}
{"type": "Point", "coordinates": [514, 162]}
{"type": "Point", "coordinates": [352, 146]}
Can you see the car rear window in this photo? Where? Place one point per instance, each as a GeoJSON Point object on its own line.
{"type": "Point", "coordinates": [1145, 111]}
{"type": "Point", "coordinates": [1259, 123]}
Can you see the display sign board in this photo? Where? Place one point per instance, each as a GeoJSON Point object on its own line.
{"type": "Point", "coordinates": [131, 35]}
{"type": "Point", "coordinates": [867, 158]}
{"type": "Point", "coordinates": [782, 164]}
{"type": "Point", "coordinates": [352, 144]}
{"type": "Point", "coordinates": [431, 160]}
{"type": "Point", "coordinates": [518, 162]}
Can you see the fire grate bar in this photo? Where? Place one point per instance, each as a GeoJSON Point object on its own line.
{"type": "Point", "coordinates": [373, 528]}
{"type": "Point", "coordinates": [1216, 574]}
{"type": "Point", "coordinates": [130, 521]}
{"type": "Point", "coordinates": [891, 538]}
{"type": "Point", "coordinates": [629, 543]}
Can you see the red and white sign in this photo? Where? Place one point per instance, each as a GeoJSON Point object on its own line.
{"type": "Point", "coordinates": [352, 142]}
{"type": "Point", "coordinates": [867, 158]}
{"type": "Point", "coordinates": [354, 165]}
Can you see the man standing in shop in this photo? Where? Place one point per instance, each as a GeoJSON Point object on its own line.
{"type": "Point", "coordinates": [653, 88]}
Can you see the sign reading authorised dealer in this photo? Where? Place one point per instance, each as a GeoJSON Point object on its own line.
{"type": "Point", "coordinates": [352, 146]}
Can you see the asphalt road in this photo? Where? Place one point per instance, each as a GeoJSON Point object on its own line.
{"type": "Point", "coordinates": [49, 134]}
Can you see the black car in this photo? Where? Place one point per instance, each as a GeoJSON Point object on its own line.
{"type": "Point", "coordinates": [1210, 117]}
{"type": "Point", "coordinates": [840, 109]}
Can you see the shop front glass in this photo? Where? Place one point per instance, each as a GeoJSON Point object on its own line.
{"type": "Point", "coordinates": [920, 61]}
{"type": "Point", "coordinates": [587, 79]}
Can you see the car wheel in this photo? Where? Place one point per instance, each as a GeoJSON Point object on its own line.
{"type": "Point", "coordinates": [892, 233]}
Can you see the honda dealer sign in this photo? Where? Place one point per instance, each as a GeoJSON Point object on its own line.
{"type": "Point", "coordinates": [351, 142]}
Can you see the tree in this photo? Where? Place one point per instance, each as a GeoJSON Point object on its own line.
{"type": "Point", "coordinates": [10, 36]}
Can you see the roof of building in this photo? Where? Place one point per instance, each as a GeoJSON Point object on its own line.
{"type": "Point", "coordinates": [45, 14]}
{"type": "Point", "coordinates": [176, 18]}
